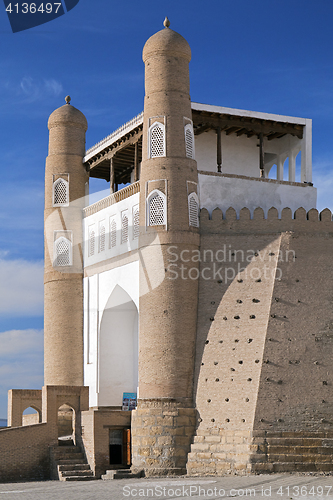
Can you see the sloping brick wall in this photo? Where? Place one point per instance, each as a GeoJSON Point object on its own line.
{"type": "Point", "coordinates": [24, 452]}
{"type": "Point", "coordinates": [265, 333]}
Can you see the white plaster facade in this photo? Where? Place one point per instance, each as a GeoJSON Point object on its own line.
{"type": "Point", "coordinates": [223, 191]}
{"type": "Point", "coordinates": [111, 305]}
{"type": "Point", "coordinates": [111, 215]}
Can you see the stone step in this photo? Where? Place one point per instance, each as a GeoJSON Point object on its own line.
{"type": "Point", "coordinates": [295, 434]}
{"type": "Point", "coordinates": [68, 456]}
{"type": "Point", "coordinates": [66, 449]}
{"type": "Point", "coordinates": [300, 450]}
{"type": "Point", "coordinates": [297, 441]}
{"type": "Point", "coordinates": [263, 468]}
{"type": "Point", "coordinates": [299, 458]}
{"type": "Point", "coordinates": [84, 472]}
{"type": "Point", "coordinates": [66, 467]}
{"type": "Point", "coordinates": [66, 441]}
{"type": "Point", "coordinates": [302, 467]}
{"type": "Point", "coordinates": [121, 474]}
{"type": "Point", "coordinates": [78, 478]}
{"type": "Point", "coordinates": [73, 461]}
{"type": "Point", "coordinates": [291, 467]}
{"type": "Point", "coordinates": [71, 464]}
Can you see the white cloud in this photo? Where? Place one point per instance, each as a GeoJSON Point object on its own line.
{"type": "Point", "coordinates": [53, 87]}
{"type": "Point", "coordinates": [21, 288]}
{"type": "Point", "coordinates": [35, 89]}
{"type": "Point", "coordinates": [21, 362]}
{"type": "Point", "coordinates": [16, 343]}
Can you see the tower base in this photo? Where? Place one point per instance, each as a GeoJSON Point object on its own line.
{"type": "Point", "coordinates": [162, 432]}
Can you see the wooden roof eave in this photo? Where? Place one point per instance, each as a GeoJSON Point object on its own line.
{"type": "Point", "coordinates": [244, 125]}
{"type": "Point", "coordinates": [121, 150]}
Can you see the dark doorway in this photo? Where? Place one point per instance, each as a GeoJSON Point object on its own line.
{"type": "Point", "coordinates": [120, 447]}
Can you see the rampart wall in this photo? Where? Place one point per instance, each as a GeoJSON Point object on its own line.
{"type": "Point", "coordinates": [265, 329]}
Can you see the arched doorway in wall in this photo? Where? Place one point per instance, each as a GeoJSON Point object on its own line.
{"type": "Point", "coordinates": [66, 423]}
{"type": "Point", "coordinates": [31, 415]}
{"type": "Point", "coordinates": [118, 349]}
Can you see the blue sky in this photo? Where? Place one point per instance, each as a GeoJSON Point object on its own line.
{"type": "Point", "coordinates": [272, 56]}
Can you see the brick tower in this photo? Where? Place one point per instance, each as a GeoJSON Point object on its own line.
{"type": "Point", "coordinates": [164, 422]}
{"type": "Point", "coordinates": [65, 181]}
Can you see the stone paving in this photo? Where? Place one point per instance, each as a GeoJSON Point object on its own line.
{"type": "Point", "coordinates": [275, 487]}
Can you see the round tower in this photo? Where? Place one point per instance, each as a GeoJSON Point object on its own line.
{"type": "Point", "coordinates": [65, 182]}
{"type": "Point", "coordinates": [169, 208]}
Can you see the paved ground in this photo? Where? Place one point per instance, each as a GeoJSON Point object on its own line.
{"type": "Point", "coordinates": [275, 487]}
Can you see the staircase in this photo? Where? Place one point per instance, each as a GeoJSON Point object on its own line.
{"type": "Point", "coordinates": [68, 463]}
{"type": "Point", "coordinates": [294, 452]}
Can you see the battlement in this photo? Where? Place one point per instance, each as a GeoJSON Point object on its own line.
{"type": "Point", "coordinates": [300, 220]}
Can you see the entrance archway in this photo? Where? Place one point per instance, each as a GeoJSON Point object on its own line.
{"type": "Point", "coordinates": [118, 358]}
{"type": "Point", "coordinates": [66, 422]}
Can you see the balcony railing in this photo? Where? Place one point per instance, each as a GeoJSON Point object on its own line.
{"type": "Point", "coordinates": [137, 120]}
{"type": "Point", "coordinates": [126, 192]}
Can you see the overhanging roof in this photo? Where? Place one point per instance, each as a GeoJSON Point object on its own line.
{"type": "Point", "coordinates": [120, 145]}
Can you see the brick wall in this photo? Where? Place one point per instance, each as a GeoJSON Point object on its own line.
{"type": "Point", "coordinates": [96, 425]}
{"type": "Point", "coordinates": [24, 452]}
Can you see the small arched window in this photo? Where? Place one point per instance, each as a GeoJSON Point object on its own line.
{"type": "Point", "coordinates": [60, 193]}
{"type": "Point", "coordinates": [63, 252]}
{"type": "Point", "coordinates": [102, 236]}
{"type": "Point", "coordinates": [156, 142]}
{"type": "Point", "coordinates": [193, 209]}
{"type": "Point", "coordinates": [124, 226]}
{"type": "Point", "coordinates": [113, 232]}
{"type": "Point", "coordinates": [156, 207]}
{"type": "Point", "coordinates": [189, 141]}
{"type": "Point", "coordinates": [91, 241]}
{"type": "Point", "coordinates": [136, 222]}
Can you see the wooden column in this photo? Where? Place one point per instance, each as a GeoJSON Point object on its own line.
{"type": "Point", "coordinates": [261, 146]}
{"type": "Point", "coordinates": [136, 162]}
{"type": "Point", "coordinates": [219, 149]}
{"type": "Point", "coordinates": [112, 176]}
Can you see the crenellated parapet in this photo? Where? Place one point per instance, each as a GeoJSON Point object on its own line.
{"type": "Point", "coordinates": [227, 222]}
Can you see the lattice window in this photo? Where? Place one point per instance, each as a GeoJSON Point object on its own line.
{"type": "Point", "coordinates": [136, 222]}
{"type": "Point", "coordinates": [156, 209]}
{"type": "Point", "coordinates": [124, 226]}
{"type": "Point", "coordinates": [60, 192]}
{"type": "Point", "coordinates": [102, 236]}
{"type": "Point", "coordinates": [91, 242]}
{"type": "Point", "coordinates": [156, 140]}
{"type": "Point", "coordinates": [63, 252]}
{"type": "Point", "coordinates": [113, 232]}
{"type": "Point", "coordinates": [193, 209]}
{"type": "Point", "coordinates": [189, 141]}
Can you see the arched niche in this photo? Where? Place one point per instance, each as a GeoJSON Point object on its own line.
{"type": "Point", "coordinates": [118, 349]}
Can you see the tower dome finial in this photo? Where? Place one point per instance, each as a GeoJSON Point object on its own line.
{"type": "Point", "coordinates": [166, 22]}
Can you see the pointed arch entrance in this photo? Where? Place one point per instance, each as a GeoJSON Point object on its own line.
{"type": "Point", "coordinates": [118, 349]}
